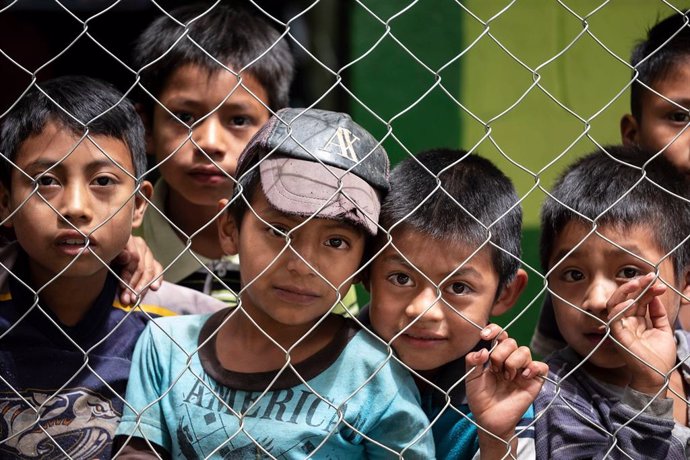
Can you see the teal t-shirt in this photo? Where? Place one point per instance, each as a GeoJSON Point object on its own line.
{"type": "Point", "coordinates": [355, 400]}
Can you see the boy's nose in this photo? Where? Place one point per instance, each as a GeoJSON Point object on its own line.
{"type": "Point", "coordinates": [597, 296]}
{"type": "Point", "coordinates": [300, 258]}
{"type": "Point", "coordinates": [427, 305]}
{"type": "Point", "coordinates": [76, 204]}
{"type": "Point", "coordinates": [211, 137]}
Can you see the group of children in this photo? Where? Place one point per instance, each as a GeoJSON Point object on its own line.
{"type": "Point", "coordinates": [305, 200]}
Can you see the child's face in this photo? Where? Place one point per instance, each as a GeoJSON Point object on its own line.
{"type": "Point", "coordinates": [588, 277]}
{"type": "Point", "coordinates": [280, 289]}
{"type": "Point", "coordinates": [428, 328]}
{"type": "Point", "coordinates": [661, 120]}
{"type": "Point", "coordinates": [86, 191]}
{"type": "Point", "coordinates": [192, 94]}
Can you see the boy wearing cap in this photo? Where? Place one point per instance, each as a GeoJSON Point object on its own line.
{"type": "Point", "coordinates": [279, 376]}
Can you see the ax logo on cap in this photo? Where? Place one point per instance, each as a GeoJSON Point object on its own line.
{"type": "Point", "coordinates": [342, 143]}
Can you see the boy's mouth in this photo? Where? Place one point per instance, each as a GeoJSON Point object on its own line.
{"type": "Point", "coordinates": [73, 243]}
{"type": "Point", "coordinates": [422, 339]}
{"type": "Point", "coordinates": [208, 175]}
{"type": "Point", "coordinates": [296, 295]}
{"type": "Point", "coordinates": [596, 337]}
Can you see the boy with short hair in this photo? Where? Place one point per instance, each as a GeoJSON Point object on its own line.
{"type": "Point", "coordinates": [279, 376]}
{"type": "Point", "coordinates": [658, 123]}
{"type": "Point", "coordinates": [454, 223]}
{"type": "Point", "coordinates": [71, 200]}
{"type": "Point", "coordinates": [213, 77]}
{"type": "Point", "coordinates": [659, 96]}
{"type": "Point", "coordinates": [616, 389]}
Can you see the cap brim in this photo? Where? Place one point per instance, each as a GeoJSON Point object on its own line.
{"type": "Point", "coordinates": [307, 188]}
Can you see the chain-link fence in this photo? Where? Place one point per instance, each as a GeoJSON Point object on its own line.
{"type": "Point", "coordinates": [313, 306]}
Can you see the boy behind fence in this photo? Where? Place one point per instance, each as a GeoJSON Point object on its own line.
{"type": "Point", "coordinates": [658, 123]}
{"type": "Point", "coordinates": [71, 201]}
{"type": "Point", "coordinates": [621, 381]}
{"type": "Point", "coordinates": [433, 289]}
{"type": "Point", "coordinates": [306, 205]}
{"type": "Point", "coordinates": [199, 114]}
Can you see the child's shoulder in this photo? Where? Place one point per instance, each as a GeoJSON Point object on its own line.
{"type": "Point", "coordinates": [171, 299]}
{"type": "Point", "coordinates": [371, 353]}
{"type": "Point", "coordinates": [174, 325]}
{"type": "Point", "coordinates": [174, 333]}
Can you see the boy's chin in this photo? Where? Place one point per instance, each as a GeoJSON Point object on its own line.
{"type": "Point", "coordinates": [604, 358]}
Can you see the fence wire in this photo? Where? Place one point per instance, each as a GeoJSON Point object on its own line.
{"type": "Point", "coordinates": [64, 372]}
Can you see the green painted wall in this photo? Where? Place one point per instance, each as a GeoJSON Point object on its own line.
{"type": "Point", "coordinates": [396, 87]}
{"type": "Point", "coordinates": [526, 127]}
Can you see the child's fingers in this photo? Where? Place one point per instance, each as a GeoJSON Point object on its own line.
{"type": "Point", "coordinates": [638, 291]}
{"type": "Point", "coordinates": [535, 369]}
{"type": "Point", "coordinates": [476, 360]}
{"type": "Point", "coordinates": [500, 354]}
{"type": "Point", "coordinates": [493, 332]}
{"type": "Point", "coordinates": [658, 315]}
{"type": "Point", "coordinates": [625, 292]}
{"type": "Point", "coordinates": [152, 270]}
{"type": "Point", "coordinates": [634, 306]}
{"type": "Point", "coordinates": [141, 270]}
{"type": "Point", "coordinates": [516, 361]}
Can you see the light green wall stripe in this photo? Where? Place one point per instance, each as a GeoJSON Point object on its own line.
{"type": "Point", "coordinates": [585, 79]}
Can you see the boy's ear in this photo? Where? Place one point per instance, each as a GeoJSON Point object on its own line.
{"type": "Point", "coordinates": [510, 293]}
{"type": "Point", "coordinates": [629, 130]}
{"type": "Point", "coordinates": [684, 288]}
{"type": "Point", "coordinates": [228, 232]}
{"type": "Point", "coordinates": [140, 204]}
{"type": "Point", "coordinates": [5, 210]}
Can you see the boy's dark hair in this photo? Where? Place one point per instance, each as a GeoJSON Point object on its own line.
{"type": "Point", "coordinates": [593, 183]}
{"type": "Point", "coordinates": [485, 193]}
{"type": "Point", "coordinates": [666, 45]}
{"type": "Point", "coordinates": [233, 36]}
{"type": "Point", "coordinates": [75, 103]}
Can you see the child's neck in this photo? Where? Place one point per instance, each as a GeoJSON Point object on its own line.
{"type": "Point", "coordinates": [679, 395]}
{"type": "Point", "coordinates": [189, 218]}
{"type": "Point", "coordinates": [239, 334]}
{"type": "Point", "coordinates": [69, 298]}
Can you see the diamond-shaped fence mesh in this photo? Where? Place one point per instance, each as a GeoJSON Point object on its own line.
{"type": "Point", "coordinates": [314, 306]}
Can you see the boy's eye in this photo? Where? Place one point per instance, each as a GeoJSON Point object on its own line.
{"type": "Point", "coordinates": [104, 181]}
{"type": "Point", "coordinates": [573, 275]}
{"type": "Point", "coordinates": [629, 273]}
{"type": "Point", "coordinates": [239, 121]}
{"type": "Point", "coordinates": [458, 288]}
{"type": "Point", "coordinates": [278, 231]}
{"type": "Point", "coordinates": [46, 181]}
{"type": "Point", "coordinates": [337, 243]}
{"type": "Point", "coordinates": [185, 117]}
{"type": "Point", "coordinates": [400, 279]}
{"type": "Point", "coordinates": [680, 117]}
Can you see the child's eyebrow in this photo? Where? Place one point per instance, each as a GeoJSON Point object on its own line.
{"type": "Point", "coordinates": [465, 270]}
{"type": "Point", "coordinates": [230, 104]}
{"type": "Point", "coordinates": [44, 164]}
{"type": "Point", "coordinates": [192, 102]}
{"type": "Point", "coordinates": [681, 101]}
{"type": "Point", "coordinates": [342, 226]}
{"type": "Point", "coordinates": [627, 249]}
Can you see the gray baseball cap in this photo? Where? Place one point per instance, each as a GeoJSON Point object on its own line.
{"type": "Point", "coordinates": [318, 162]}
